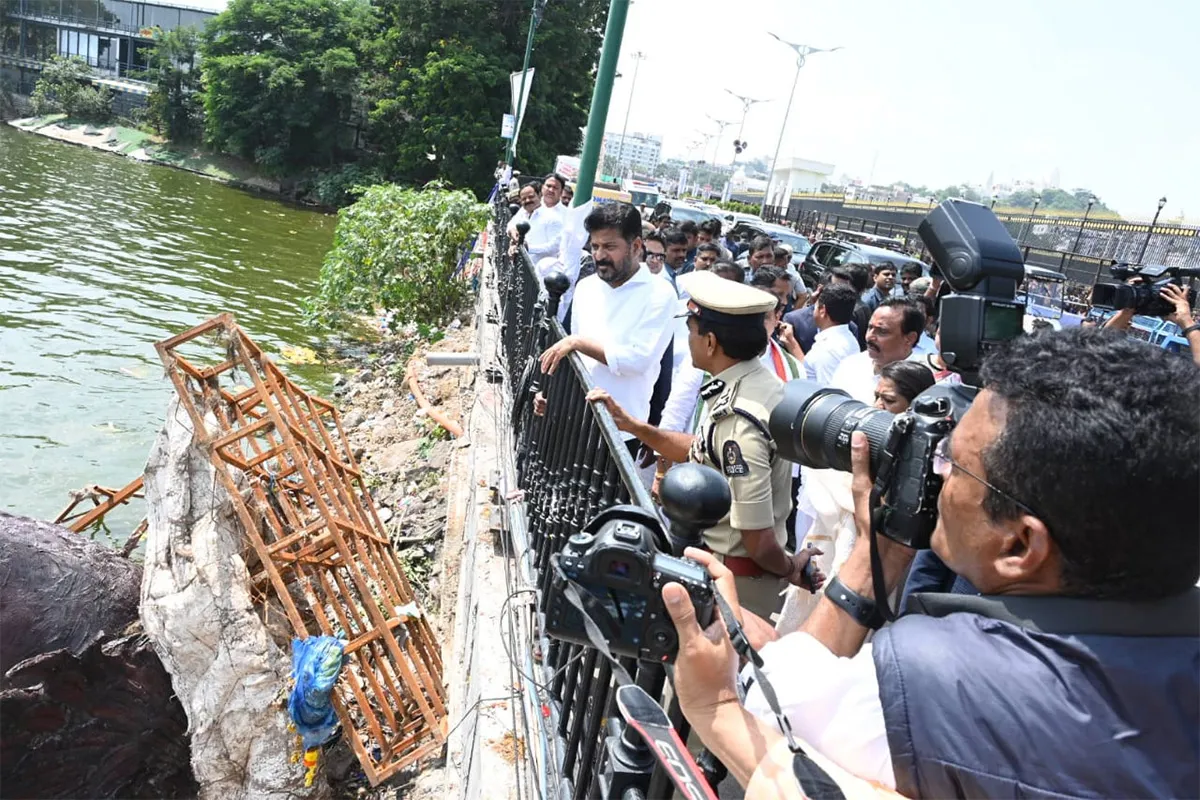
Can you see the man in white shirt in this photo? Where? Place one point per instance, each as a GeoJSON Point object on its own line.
{"type": "Point", "coordinates": [891, 335]}
{"type": "Point", "coordinates": [834, 342]}
{"type": "Point", "coordinates": [546, 224]}
{"type": "Point", "coordinates": [623, 317]}
{"type": "Point", "coordinates": [530, 200]}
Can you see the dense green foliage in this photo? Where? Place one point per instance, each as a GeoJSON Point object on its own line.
{"type": "Point", "coordinates": [65, 86]}
{"type": "Point", "coordinates": [397, 249]}
{"type": "Point", "coordinates": [1055, 200]}
{"type": "Point", "coordinates": [279, 76]}
{"type": "Point", "coordinates": [174, 108]}
{"type": "Point", "coordinates": [439, 85]}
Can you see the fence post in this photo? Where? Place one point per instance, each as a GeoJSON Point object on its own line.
{"type": "Point", "coordinates": [556, 284]}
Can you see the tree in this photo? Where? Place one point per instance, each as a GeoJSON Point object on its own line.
{"type": "Point", "coordinates": [175, 107]}
{"type": "Point", "coordinates": [279, 76]}
{"type": "Point", "coordinates": [397, 249]}
{"type": "Point", "coordinates": [66, 86]}
{"type": "Point", "coordinates": [440, 85]}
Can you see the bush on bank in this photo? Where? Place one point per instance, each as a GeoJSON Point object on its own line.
{"type": "Point", "coordinates": [397, 249]}
{"type": "Point", "coordinates": [65, 85]}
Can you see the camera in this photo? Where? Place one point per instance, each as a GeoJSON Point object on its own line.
{"type": "Point", "coordinates": [983, 267]}
{"type": "Point", "coordinates": [1142, 297]}
{"type": "Point", "coordinates": [619, 574]}
{"type": "Point", "coordinates": [812, 426]}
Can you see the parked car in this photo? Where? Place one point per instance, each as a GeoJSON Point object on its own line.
{"type": "Point", "coordinates": [682, 211]}
{"type": "Point", "coordinates": [746, 230]}
{"type": "Point", "coordinates": [829, 253]}
{"type": "Point", "coordinates": [731, 219]}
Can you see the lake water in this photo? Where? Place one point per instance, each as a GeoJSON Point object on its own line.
{"type": "Point", "coordinates": [99, 258]}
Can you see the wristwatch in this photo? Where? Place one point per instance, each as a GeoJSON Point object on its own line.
{"type": "Point", "coordinates": [861, 609]}
{"type": "Point", "coordinates": [1195, 326]}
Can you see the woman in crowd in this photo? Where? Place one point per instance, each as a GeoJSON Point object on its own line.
{"type": "Point", "coordinates": [899, 384]}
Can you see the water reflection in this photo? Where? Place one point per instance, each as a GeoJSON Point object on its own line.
{"type": "Point", "coordinates": [99, 258]}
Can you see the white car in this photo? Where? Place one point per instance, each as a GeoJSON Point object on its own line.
{"type": "Point", "coordinates": [732, 218]}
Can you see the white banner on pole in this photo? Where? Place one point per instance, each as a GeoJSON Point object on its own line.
{"type": "Point", "coordinates": [519, 105]}
{"type": "Point", "coordinates": [508, 126]}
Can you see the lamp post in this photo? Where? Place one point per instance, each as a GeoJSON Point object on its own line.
{"type": "Point", "coordinates": [535, 19]}
{"type": "Point", "coordinates": [638, 58]}
{"type": "Point", "coordinates": [1079, 235]}
{"type": "Point", "coordinates": [614, 30]}
{"type": "Point", "coordinates": [1162, 201]}
{"type": "Point", "coordinates": [1037, 199]}
{"type": "Point", "coordinates": [721, 126]}
{"type": "Point", "coordinates": [802, 53]}
{"type": "Point", "coordinates": [738, 143]}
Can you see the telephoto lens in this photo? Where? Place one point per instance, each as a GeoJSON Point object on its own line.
{"type": "Point", "coordinates": [812, 426]}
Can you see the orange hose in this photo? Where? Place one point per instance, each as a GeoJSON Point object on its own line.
{"type": "Point", "coordinates": [451, 427]}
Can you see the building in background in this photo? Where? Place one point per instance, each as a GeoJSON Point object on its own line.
{"type": "Point", "coordinates": [113, 36]}
{"type": "Point", "coordinates": [797, 175]}
{"type": "Point", "coordinates": [635, 150]}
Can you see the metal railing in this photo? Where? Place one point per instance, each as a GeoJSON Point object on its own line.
{"type": "Point", "coordinates": [571, 464]}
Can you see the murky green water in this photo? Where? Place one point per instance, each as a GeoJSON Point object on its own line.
{"type": "Point", "coordinates": [99, 258]}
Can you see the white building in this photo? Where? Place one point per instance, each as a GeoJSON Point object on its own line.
{"type": "Point", "coordinates": [797, 175]}
{"type": "Point", "coordinates": [635, 149]}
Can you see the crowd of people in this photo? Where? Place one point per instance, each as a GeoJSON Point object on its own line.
{"type": "Point", "coordinates": [689, 339]}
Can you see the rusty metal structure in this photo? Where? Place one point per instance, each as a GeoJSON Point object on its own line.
{"type": "Point", "coordinates": [103, 500]}
{"type": "Point", "coordinates": [317, 549]}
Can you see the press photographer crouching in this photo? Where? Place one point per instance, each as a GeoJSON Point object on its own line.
{"type": "Point", "coordinates": [1068, 498]}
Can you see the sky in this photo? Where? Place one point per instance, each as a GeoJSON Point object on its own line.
{"type": "Point", "coordinates": [934, 92]}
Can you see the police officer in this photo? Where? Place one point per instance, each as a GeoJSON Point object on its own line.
{"type": "Point", "coordinates": [726, 336]}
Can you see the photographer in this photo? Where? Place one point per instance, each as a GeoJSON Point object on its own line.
{"type": "Point", "coordinates": [1069, 501]}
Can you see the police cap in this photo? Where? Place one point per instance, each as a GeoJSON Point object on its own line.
{"type": "Point", "coordinates": [719, 300]}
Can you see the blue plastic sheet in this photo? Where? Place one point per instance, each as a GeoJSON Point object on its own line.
{"type": "Point", "coordinates": [316, 662]}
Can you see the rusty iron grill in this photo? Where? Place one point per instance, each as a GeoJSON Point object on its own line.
{"type": "Point", "coordinates": [318, 550]}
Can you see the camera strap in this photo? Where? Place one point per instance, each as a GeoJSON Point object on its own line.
{"type": "Point", "coordinates": [813, 780]}
{"type": "Point", "coordinates": [878, 513]}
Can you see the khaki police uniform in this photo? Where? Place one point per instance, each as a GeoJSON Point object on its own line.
{"type": "Point", "coordinates": [733, 438]}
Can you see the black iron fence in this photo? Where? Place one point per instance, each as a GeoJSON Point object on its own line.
{"type": "Point", "coordinates": [1081, 269]}
{"type": "Point", "coordinates": [571, 464]}
{"type": "Point", "coordinates": [1081, 247]}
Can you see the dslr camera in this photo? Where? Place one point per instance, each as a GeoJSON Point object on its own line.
{"type": "Point", "coordinates": [983, 267]}
{"type": "Point", "coordinates": [617, 575]}
{"type": "Point", "coordinates": [1142, 296]}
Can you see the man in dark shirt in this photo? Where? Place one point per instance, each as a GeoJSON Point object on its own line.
{"type": "Point", "coordinates": [804, 327]}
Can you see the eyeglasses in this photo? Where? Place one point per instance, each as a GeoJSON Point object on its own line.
{"type": "Point", "coordinates": [656, 256]}
{"type": "Point", "coordinates": [942, 464]}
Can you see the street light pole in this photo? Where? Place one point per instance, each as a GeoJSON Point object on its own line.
{"type": "Point", "coordinates": [535, 19]}
{"type": "Point", "coordinates": [721, 126]}
{"type": "Point", "coordinates": [1162, 201]}
{"type": "Point", "coordinates": [1037, 199]}
{"type": "Point", "coordinates": [614, 31]}
{"type": "Point", "coordinates": [739, 143]}
{"type": "Point", "coordinates": [1079, 236]}
{"type": "Point", "coordinates": [637, 57]}
{"type": "Point", "coordinates": [802, 52]}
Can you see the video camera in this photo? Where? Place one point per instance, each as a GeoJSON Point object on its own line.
{"type": "Point", "coordinates": [1142, 297]}
{"type": "Point", "coordinates": [812, 425]}
{"type": "Point", "coordinates": [614, 571]}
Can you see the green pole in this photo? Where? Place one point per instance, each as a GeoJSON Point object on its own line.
{"type": "Point", "coordinates": [605, 74]}
{"type": "Point", "coordinates": [512, 143]}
